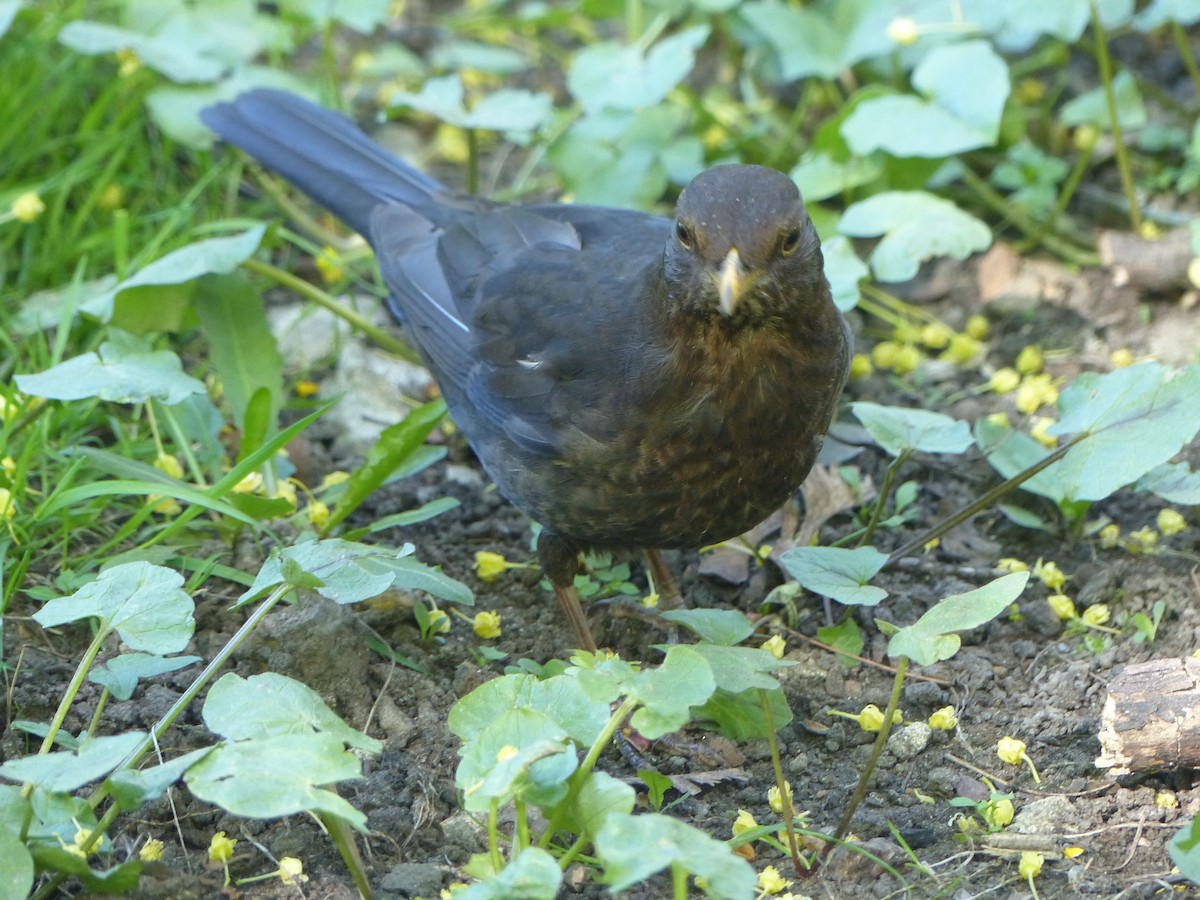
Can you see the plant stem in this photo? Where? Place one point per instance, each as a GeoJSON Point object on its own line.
{"type": "Point", "coordinates": [885, 491]}
{"type": "Point", "coordinates": [322, 299]}
{"type": "Point", "coordinates": [876, 751]}
{"type": "Point", "coordinates": [679, 880]}
{"type": "Point", "coordinates": [472, 161]}
{"type": "Point", "coordinates": [984, 502]}
{"type": "Point", "coordinates": [628, 705]}
{"type": "Point", "coordinates": [64, 705]}
{"type": "Point", "coordinates": [1185, 54]}
{"type": "Point", "coordinates": [342, 836]}
{"type": "Point", "coordinates": [493, 833]}
{"type": "Point", "coordinates": [1104, 61]}
{"type": "Point", "coordinates": [785, 797]}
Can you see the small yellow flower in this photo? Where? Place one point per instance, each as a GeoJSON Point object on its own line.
{"type": "Point", "coordinates": [775, 645]}
{"type": "Point", "coordinates": [439, 621]}
{"type": "Point", "coordinates": [999, 419]}
{"type": "Point", "coordinates": [329, 264]}
{"type": "Point", "coordinates": [285, 490]}
{"type": "Point", "coordinates": [998, 814]}
{"type": "Point", "coordinates": [489, 566]}
{"type": "Point", "coordinates": [1004, 381]}
{"type": "Point", "coordinates": [1072, 852]}
{"type": "Point", "coordinates": [487, 624]}
{"type": "Point", "coordinates": [221, 848]}
{"type": "Point", "coordinates": [650, 601]}
{"type": "Point", "coordinates": [111, 197]}
{"type": "Point", "coordinates": [8, 507]}
{"type": "Point", "coordinates": [903, 31]}
{"type": "Point", "coordinates": [455, 887]}
{"type": "Point", "coordinates": [1050, 574]}
{"type": "Point", "coordinates": [151, 851]}
{"type": "Point", "coordinates": [1030, 91]}
{"type": "Point", "coordinates": [1009, 564]}
{"type": "Point", "coordinates": [1149, 231]}
{"type": "Point", "coordinates": [1096, 614]}
{"type": "Point", "coordinates": [1030, 360]}
{"type": "Point", "coordinates": [1085, 137]}
{"type": "Point", "coordinates": [775, 801]}
{"type": "Point", "coordinates": [1142, 540]}
{"type": "Point", "coordinates": [936, 335]}
{"type": "Point", "coordinates": [128, 62]}
{"type": "Point", "coordinates": [744, 822]}
{"type": "Point", "coordinates": [165, 462]}
{"type": "Point", "coordinates": [1110, 535]}
{"type": "Point", "coordinates": [884, 354]}
{"type": "Point", "coordinates": [318, 514]}
{"type": "Point", "coordinates": [291, 871]}
{"type": "Point", "coordinates": [1170, 522]}
{"type": "Point", "coordinates": [907, 359]}
{"type": "Point", "coordinates": [1035, 392]}
{"type": "Point", "coordinates": [978, 327]}
{"type": "Point", "coordinates": [907, 333]}
{"type": "Point", "coordinates": [451, 144]}
{"type": "Point", "coordinates": [163, 506]}
{"type": "Point", "coordinates": [306, 389]}
{"type": "Point", "coordinates": [1031, 865]}
{"type": "Point", "coordinates": [771, 882]}
{"type": "Point", "coordinates": [931, 545]}
{"type": "Point", "coordinates": [963, 349]}
{"type": "Point", "coordinates": [1010, 750]}
{"type": "Point", "coordinates": [27, 207]}
{"type": "Point", "coordinates": [1166, 800]}
{"type": "Point", "coordinates": [1121, 358]}
{"type": "Point", "coordinates": [1063, 606]}
{"type": "Point", "coordinates": [9, 466]}
{"type": "Point", "coordinates": [1038, 431]}
{"type": "Point", "coordinates": [337, 476]}
{"type": "Point", "coordinates": [250, 484]}
{"type": "Point", "coordinates": [943, 719]}
{"type": "Point", "coordinates": [870, 718]}
{"type": "Point", "coordinates": [860, 366]}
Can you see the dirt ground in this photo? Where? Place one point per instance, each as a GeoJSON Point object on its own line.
{"type": "Point", "coordinates": [1019, 676]}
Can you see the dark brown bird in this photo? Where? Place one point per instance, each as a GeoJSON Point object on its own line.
{"type": "Point", "coordinates": [627, 380]}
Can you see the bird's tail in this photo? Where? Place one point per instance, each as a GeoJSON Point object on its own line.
{"type": "Point", "coordinates": [322, 153]}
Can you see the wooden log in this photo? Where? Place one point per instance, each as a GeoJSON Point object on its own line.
{"type": "Point", "coordinates": [1151, 718]}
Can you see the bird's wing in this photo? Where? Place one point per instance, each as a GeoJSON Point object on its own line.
{"type": "Point", "coordinates": [511, 308]}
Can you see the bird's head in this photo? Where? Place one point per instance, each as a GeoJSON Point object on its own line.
{"type": "Point", "coordinates": [743, 246]}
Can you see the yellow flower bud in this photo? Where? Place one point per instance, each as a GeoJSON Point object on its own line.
{"type": "Point", "coordinates": [1010, 750]}
{"type": "Point", "coordinates": [860, 366]}
{"type": "Point", "coordinates": [318, 514]}
{"type": "Point", "coordinates": [771, 882]}
{"type": "Point", "coordinates": [907, 359]}
{"type": "Point", "coordinates": [1096, 614]}
{"type": "Point", "coordinates": [1063, 606]}
{"type": "Point", "coordinates": [291, 871]}
{"type": "Point", "coordinates": [1031, 864]}
{"type": "Point", "coordinates": [1030, 360]}
{"type": "Point", "coordinates": [1038, 430]}
{"type": "Point", "coordinates": [335, 477]}
{"type": "Point", "coordinates": [936, 335]}
{"type": "Point", "coordinates": [151, 851]}
{"type": "Point", "coordinates": [1085, 137]}
{"type": "Point", "coordinates": [221, 848]}
{"type": "Point", "coordinates": [487, 624]}
{"type": "Point", "coordinates": [1142, 541]}
{"type": "Point", "coordinates": [903, 31]}
{"type": "Point", "coordinates": [775, 801]}
{"type": "Point", "coordinates": [1110, 535]}
{"type": "Point", "coordinates": [775, 645]}
{"type": "Point", "coordinates": [165, 462]}
{"type": "Point", "coordinates": [1121, 358]}
{"type": "Point", "coordinates": [27, 207]}
{"type": "Point", "coordinates": [489, 566]}
{"type": "Point", "coordinates": [744, 822]}
{"type": "Point", "coordinates": [1008, 564]}
{"type": "Point", "coordinates": [8, 507]}
{"type": "Point", "coordinates": [306, 389]}
{"type": "Point", "coordinates": [329, 264]}
{"type": "Point", "coordinates": [978, 327]}
{"type": "Point", "coordinates": [1004, 381]}
{"type": "Point", "coordinates": [943, 719]}
{"type": "Point", "coordinates": [884, 354]}
{"type": "Point", "coordinates": [1166, 800]}
{"type": "Point", "coordinates": [963, 349]}
{"type": "Point", "coordinates": [1050, 574]}
{"type": "Point", "coordinates": [998, 814]}
{"type": "Point", "coordinates": [1170, 522]}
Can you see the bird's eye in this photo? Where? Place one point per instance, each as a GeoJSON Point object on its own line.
{"type": "Point", "coordinates": [791, 240]}
{"type": "Point", "coordinates": [684, 235]}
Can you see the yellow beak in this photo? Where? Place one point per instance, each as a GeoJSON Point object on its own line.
{"type": "Point", "coordinates": [732, 282]}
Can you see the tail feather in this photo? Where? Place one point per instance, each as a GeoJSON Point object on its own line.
{"type": "Point", "coordinates": [322, 153]}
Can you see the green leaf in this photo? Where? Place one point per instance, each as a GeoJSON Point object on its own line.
{"type": "Point", "coordinates": [737, 669]}
{"type": "Point", "coordinates": [133, 789]}
{"type": "Point", "coordinates": [165, 55]}
{"type": "Point", "coordinates": [1092, 108]}
{"type": "Point", "coordinates": [422, 513]}
{"type": "Point", "coordinates": [1185, 850]}
{"type": "Point", "coordinates": [563, 699]}
{"type": "Point", "coordinates": [1157, 14]}
{"type": "Point", "coordinates": [632, 848]}
{"type": "Point", "coordinates": [280, 775]}
{"type": "Point", "coordinates": [270, 704]}
{"type": "Point", "coordinates": [739, 717]}
{"type": "Point", "coordinates": [119, 879]}
{"type": "Point", "coordinates": [364, 16]}
{"type": "Point", "coordinates": [506, 110]}
{"type": "Point", "coordinates": [207, 257]}
{"type": "Point", "coordinates": [666, 694]}
{"type": "Point", "coordinates": [844, 270]}
{"type": "Point", "coordinates": [1174, 482]}
{"type": "Point", "coordinates": [613, 76]}
{"type": "Point", "coordinates": [69, 770]}
{"type": "Point", "coordinates": [176, 110]}
{"type": "Point", "coordinates": [837, 573]}
{"type": "Point", "coordinates": [460, 54]}
{"type": "Point", "coordinates": [899, 430]}
{"type": "Point", "coordinates": [931, 638]}
{"type": "Point", "coordinates": [125, 370]}
{"type": "Point", "coordinates": [16, 865]}
{"type": "Point", "coordinates": [600, 797]}
{"type": "Point", "coordinates": [122, 673]}
{"type": "Point", "coordinates": [242, 349]}
{"type": "Point", "coordinates": [534, 875]}
{"type": "Point", "coordinates": [822, 38]}
{"type": "Point", "coordinates": [394, 448]}
{"type": "Point", "coordinates": [915, 226]}
{"type": "Point", "coordinates": [521, 754]}
{"type": "Point", "coordinates": [143, 603]}
{"type": "Point", "coordinates": [717, 626]}
{"type": "Point", "coordinates": [966, 86]}
{"type": "Point", "coordinates": [846, 637]}
{"type": "Point", "coordinates": [351, 573]}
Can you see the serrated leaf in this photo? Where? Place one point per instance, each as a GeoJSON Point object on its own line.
{"type": "Point", "coordinates": [899, 430]}
{"type": "Point", "coordinates": [837, 573]}
{"type": "Point", "coordinates": [932, 637]}
{"type": "Point", "coordinates": [270, 704]}
{"type": "Point", "coordinates": [143, 603]}
{"type": "Point", "coordinates": [124, 370]}
{"type": "Point", "coordinates": [632, 848]}
{"type": "Point", "coordinates": [915, 226]}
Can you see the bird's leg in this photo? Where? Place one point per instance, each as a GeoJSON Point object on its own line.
{"type": "Point", "coordinates": [669, 596]}
{"type": "Point", "coordinates": [560, 562]}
